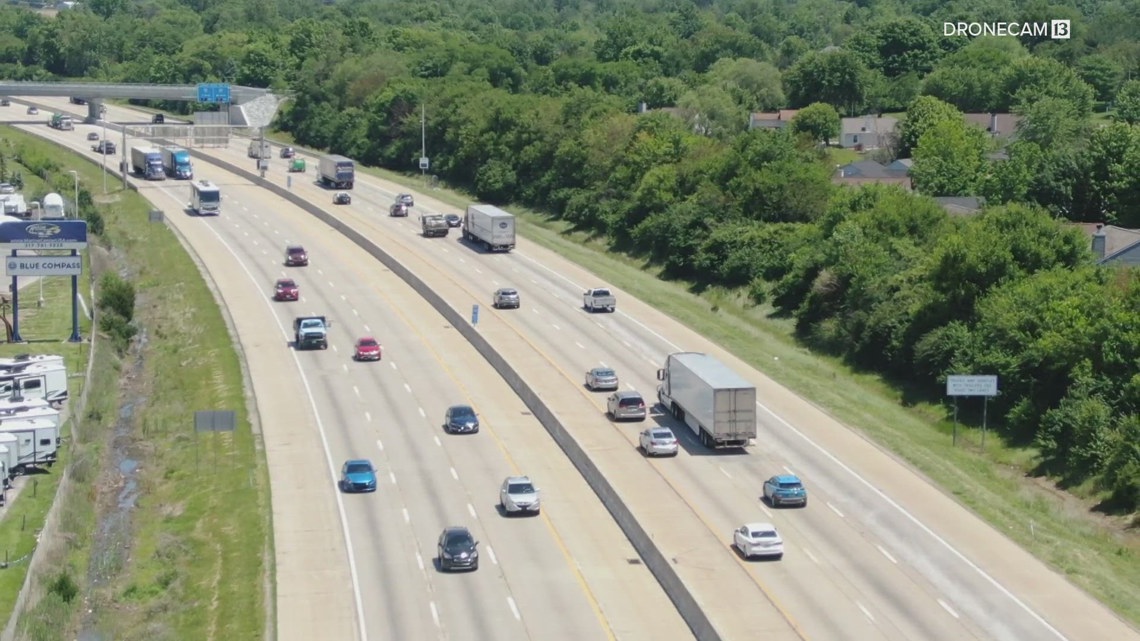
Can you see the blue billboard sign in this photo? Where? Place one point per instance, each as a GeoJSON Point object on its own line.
{"type": "Point", "coordinates": [43, 234]}
{"type": "Point", "coordinates": [213, 92]}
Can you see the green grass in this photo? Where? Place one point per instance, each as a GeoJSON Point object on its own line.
{"type": "Point", "coordinates": [201, 534]}
{"type": "Point", "coordinates": [1098, 553]}
{"type": "Point", "coordinates": [841, 156]}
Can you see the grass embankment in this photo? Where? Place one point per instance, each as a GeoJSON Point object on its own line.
{"type": "Point", "coordinates": [1098, 553]}
{"type": "Point", "coordinates": [196, 553]}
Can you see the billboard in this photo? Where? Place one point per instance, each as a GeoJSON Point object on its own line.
{"type": "Point", "coordinates": [43, 234]}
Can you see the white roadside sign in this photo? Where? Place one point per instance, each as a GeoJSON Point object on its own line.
{"type": "Point", "coordinates": [43, 265]}
{"type": "Point", "coordinates": [971, 385]}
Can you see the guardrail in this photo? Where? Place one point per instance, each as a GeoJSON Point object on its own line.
{"type": "Point", "coordinates": [654, 559]}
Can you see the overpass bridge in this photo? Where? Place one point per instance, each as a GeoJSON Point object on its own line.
{"type": "Point", "coordinates": [248, 106]}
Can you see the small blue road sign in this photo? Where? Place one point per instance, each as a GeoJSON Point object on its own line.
{"type": "Point", "coordinates": [213, 92]}
{"type": "Point", "coordinates": [474, 314]}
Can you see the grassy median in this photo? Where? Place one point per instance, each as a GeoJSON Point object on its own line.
{"type": "Point", "coordinates": [169, 537]}
{"type": "Point", "coordinates": [1099, 553]}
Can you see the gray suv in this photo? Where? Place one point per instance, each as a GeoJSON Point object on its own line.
{"type": "Point", "coordinates": [505, 297]}
{"type": "Point", "coordinates": [601, 378]}
{"type": "Point", "coordinates": [626, 405]}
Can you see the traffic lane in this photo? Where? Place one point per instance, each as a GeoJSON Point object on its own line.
{"type": "Point", "coordinates": [648, 500]}
{"type": "Point", "coordinates": [429, 493]}
{"type": "Point", "coordinates": [384, 561]}
{"type": "Point", "coordinates": [315, 590]}
{"type": "Point", "coordinates": [362, 300]}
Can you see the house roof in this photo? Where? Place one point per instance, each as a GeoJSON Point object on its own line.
{"type": "Point", "coordinates": [872, 169]}
{"type": "Point", "coordinates": [869, 124]}
{"type": "Point", "coordinates": [1116, 239]}
{"type": "Point", "coordinates": [961, 205]}
{"type": "Point", "coordinates": [1005, 123]}
{"type": "Point", "coordinates": [855, 181]}
{"type": "Point", "coordinates": [772, 119]}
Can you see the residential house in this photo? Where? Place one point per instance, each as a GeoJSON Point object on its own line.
{"type": "Point", "coordinates": [961, 205]}
{"type": "Point", "coordinates": [771, 120]}
{"type": "Point", "coordinates": [998, 125]}
{"type": "Point", "coordinates": [870, 172]}
{"type": "Point", "coordinates": [867, 132]}
{"type": "Point", "coordinates": [1112, 244]}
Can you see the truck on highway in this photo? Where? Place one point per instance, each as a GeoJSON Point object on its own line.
{"type": "Point", "coordinates": [259, 149]}
{"type": "Point", "coordinates": [599, 298]}
{"type": "Point", "coordinates": [147, 162]}
{"type": "Point", "coordinates": [491, 226]}
{"type": "Point", "coordinates": [205, 198]}
{"type": "Point", "coordinates": [311, 332]}
{"type": "Point", "coordinates": [336, 172]}
{"type": "Point", "coordinates": [711, 399]}
{"type": "Point", "coordinates": [176, 162]}
{"type": "Point", "coordinates": [62, 122]}
{"type": "Point", "coordinates": [434, 225]}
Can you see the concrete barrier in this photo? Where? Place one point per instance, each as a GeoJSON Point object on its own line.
{"type": "Point", "coordinates": [657, 563]}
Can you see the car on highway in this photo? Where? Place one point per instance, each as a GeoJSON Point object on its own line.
{"type": "Point", "coordinates": [658, 441]}
{"type": "Point", "coordinates": [367, 349]}
{"type": "Point", "coordinates": [288, 152]}
{"type": "Point", "coordinates": [358, 475]}
{"type": "Point", "coordinates": [785, 489]}
{"type": "Point", "coordinates": [296, 256]}
{"type": "Point", "coordinates": [457, 549]}
{"type": "Point", "coordinates": [453, 220]}
{"type": "Point", "coordinates": [758, 540]}
{"type": "Point", "coordinates": [105, 147]}
{"type": "Point", "coordinates": [342, 198]}
{"type": "Point", "coordinates": [601, 378]}
{"type": "Point", "coordinates": [32, 111]}
{"type": "Point", "coordinates": [4, 102]}
{"type": "Point", "coordinates": [626, 405]}
{"type": "Point", "coordinates": [398, 210]}
{"type": "Point", "coordinates": [505, 297]}
{"type": "Point", "coordinates": [518, 495]}
{"type": "Point", "coordinates": [406, 199]}
{"type": "Point", "coordinates": [92, 136]}
{"type": "Point", "coordinates": [158, 119]}
{"type": "Point", "coordinates": [461, 419]}
{"type": "Point", "coordinates": [285, 289]}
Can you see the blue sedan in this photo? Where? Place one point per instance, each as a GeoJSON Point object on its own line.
{"type": "Point", "coordinates": [358, 475]}
{"type": "Point", "coordinates": [785, 489]}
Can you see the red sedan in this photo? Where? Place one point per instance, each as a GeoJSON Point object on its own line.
{"type": "Point", "coordinates": [367, 349]}
{"type": "Point", "coordinates": [286, 289]}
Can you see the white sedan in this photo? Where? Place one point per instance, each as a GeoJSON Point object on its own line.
{"type": "Point", "coordinates": [759, 539]}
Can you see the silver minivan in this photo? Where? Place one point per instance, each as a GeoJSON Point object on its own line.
{"type": "Point", "coordinates": [626, 405]}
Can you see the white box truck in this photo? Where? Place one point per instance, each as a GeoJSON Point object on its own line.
{"type": "Point", "coordinates": [714, 401]}
{"type": "Point", "coordinates": [48, 382]}
{"type": "Point", "coordinates": [490, 226]}
{"type": "Point", "coordinates": [38, 441]}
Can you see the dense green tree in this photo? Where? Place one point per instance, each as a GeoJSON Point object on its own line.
{"type": "Point", "coordinates": [818, 121]}
{"type": "Point", "coordinates": [754, 85]}
{"type": "Point", "coordinates": [1128, 103]}
{"type": "Point", "coordinates": [1051, 122]}
{"type": "Point", "coordinates": [922, 115]}
{"type": "Point", "coordinates": [1102, 74]}
{"type": "Point", "coordinates": [838, 78]}
{"type": "Point", "coordinates": [949, 159]}
{"type": "Point", "coordinates": [898, 47]}
{"type": "Point", "coordinates": [1032, 79]}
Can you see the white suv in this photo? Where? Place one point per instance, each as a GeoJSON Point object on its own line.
{"type": "Point", "coordinates": [519, 496]}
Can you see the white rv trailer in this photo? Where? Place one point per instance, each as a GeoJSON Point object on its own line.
{"type": "Point", "coordinates": [48, 413]}
{"type": "Point", "coordinates": [38, 441]}
{"type": "Point", "coordinates": [35, 381]}
{"type": "Point", "coordinates": [9, 449]}
{"type": "Point", "coordinates": [8, 363]}
{"type": "Point", "coordinates": [19, 403]}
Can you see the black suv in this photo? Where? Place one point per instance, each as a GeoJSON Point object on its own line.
{"type": "Point", "coordinates": [461, 419]}
{"type": "Point", "coordinates": [457, 549]}
{"type": "Point", "coordinates": [398, 209]}
{"type": "Point", "coordinates": [158, 119]}
{"type": "Point", "coordinates": [105, 147]}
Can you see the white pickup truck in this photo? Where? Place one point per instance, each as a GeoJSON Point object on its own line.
{"type": "Point", "coordinates": [599, 298]}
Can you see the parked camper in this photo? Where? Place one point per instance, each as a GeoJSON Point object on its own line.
{"type": "Point", "coordinates": [47, 413]}
{"type": "Point", "coordinates": [205, 198]}
{"type": "Point", "coordinates": [48, 382]}
{"type": "Point", "coordinates": [38, 441]}
{"type": "Point", "coordinates": [53, 206]}
{"type": "Point", "coordinates": [9, 455]}
{"type": "Point", "coordinates": [17, 403]}
{"type": "Point", "coordinates": [7, 363]}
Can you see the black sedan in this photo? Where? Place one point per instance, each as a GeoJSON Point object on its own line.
{"type": "Point", "coordinates": [342, 198]}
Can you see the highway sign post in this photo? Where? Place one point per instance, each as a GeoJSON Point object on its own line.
{"type": "Point", "coordinates": [972, 385]}
{"type": "Point", "coordinates": [474, 314]}
{"type": "Point", "coordinates": [44, 235]}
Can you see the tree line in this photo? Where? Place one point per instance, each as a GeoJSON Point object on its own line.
{"type": "Point", "coordinates": [538, 104]}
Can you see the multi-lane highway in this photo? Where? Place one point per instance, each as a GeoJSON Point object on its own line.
{"type": "Point", "coordinates": [565, 574]}
{"type": "Point", "coordinates": [880, 554]}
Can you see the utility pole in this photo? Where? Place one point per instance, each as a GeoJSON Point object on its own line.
{"type": "Point", "coordinates": [423, 142]}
